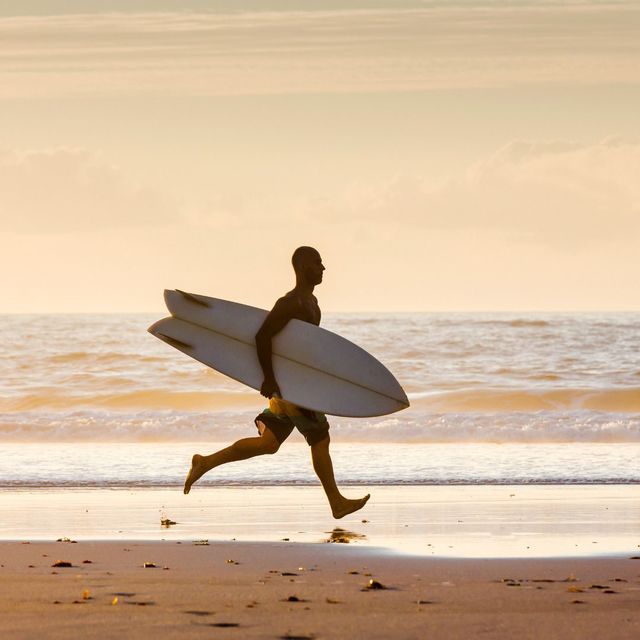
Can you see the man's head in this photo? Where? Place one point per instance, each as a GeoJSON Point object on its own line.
{"type": "Point", "coordinates": [307, 264]}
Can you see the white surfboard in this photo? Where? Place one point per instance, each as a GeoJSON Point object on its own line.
{"type": "Point", "coordinates": [314, 368]}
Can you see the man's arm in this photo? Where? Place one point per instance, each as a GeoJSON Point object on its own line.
{"type": "Point", "coordinates": [278, 317]}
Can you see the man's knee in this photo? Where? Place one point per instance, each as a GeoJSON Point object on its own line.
{"type": "Point", "coordinates": [322, 444]}
{"type": "Point", "coordinates": [269, 443]}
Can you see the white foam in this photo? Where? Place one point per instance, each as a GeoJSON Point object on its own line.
{"type": "Point", "coordinates": [410, 426]}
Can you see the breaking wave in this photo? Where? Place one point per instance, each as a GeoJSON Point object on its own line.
{"type": "Point", "coordinates": [410, 426]}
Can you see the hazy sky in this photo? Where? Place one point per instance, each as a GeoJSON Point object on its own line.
{"type": "Point", "coordinates": [445, 155]}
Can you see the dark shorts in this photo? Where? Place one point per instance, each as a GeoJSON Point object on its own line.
{"type": "Point", "coordinates": [311, 424]}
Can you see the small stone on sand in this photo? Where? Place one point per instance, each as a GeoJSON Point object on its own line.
{"type": "Point", "coordinates": [374, 584]}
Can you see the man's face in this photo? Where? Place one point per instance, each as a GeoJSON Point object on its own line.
{"type": "Point", "coordinates": [313, 268]}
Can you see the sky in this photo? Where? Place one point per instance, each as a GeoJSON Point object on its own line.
{"type": "Point", "coordinates": [442, 156]}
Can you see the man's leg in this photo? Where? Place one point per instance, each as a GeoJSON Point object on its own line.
{"type": "Point", "coordinates": [241, 450]}
{"type": "Point", "coordinates": [340, 506]}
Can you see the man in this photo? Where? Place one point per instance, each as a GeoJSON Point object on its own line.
{"type": "Point", "coordinates": [276, 423]}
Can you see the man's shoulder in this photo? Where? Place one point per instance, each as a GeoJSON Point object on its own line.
{"type": "Point", "coordinates": [289, 301]}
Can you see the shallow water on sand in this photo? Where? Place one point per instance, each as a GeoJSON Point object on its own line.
{"type": "Point", "coordinates": [165, 465]}
{"type": "Point", "coordinates": [479, 521]}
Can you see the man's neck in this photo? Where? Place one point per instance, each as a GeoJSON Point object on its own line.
{"type": "Point", "coordinates": [303, 287]}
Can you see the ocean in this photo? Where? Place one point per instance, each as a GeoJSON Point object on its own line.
{"type": "Point", "coordinates": [95, 401]}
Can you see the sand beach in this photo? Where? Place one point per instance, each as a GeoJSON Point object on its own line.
{"type": "Point", "coordinates": [296, 590]}
{"type": "Point", "coordinates": [440, 562]}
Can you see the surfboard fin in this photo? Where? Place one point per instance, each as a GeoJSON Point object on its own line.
{"type": "Point", "coordinates": [191, 298]}
{"type": "Point", "coordinates": [174, 342]}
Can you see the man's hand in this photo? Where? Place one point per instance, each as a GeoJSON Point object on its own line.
{"type": "Point", "coordinates": [270, 388]}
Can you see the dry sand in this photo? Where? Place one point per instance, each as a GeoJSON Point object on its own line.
{"type": "Point", "coordinates": [295, 590]}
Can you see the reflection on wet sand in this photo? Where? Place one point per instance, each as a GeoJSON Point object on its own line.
{"type": "Point", "coordinates": [343, 536]}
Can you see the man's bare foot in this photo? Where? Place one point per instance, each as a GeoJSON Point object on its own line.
{"type": "Point", "coordinates": [347, 506]}
{"type": "Point", "coordinates": [196, 471]}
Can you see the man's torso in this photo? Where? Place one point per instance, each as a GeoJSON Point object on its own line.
{"type": "Point", "coordinates": [303, 308]}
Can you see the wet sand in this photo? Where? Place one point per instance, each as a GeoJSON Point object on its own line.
{"type": "Point", "coordinates": [457, 562]}
{"type": "Point", "coordinates": [459, 521]}
{"type": "Point", "coordinates": [296, 590]}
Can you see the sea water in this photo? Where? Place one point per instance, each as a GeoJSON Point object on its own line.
{"type": "Point", "coordinates": [94, 400]}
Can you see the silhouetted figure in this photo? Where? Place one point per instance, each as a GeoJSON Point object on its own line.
{"type": "Point", "coordinates": [276, 423]}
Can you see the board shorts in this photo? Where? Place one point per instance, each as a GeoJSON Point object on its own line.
{"type": "Point", "coordinates": [282, 416]}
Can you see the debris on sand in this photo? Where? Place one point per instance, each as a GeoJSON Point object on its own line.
{"type": "Point", "coordinates": [342, 536]}
{"type": "Point", "coordinates": [167, 522]}
{"type": "Point", "coordinates": [511, 582]}
{"type": "Point", "coordinates": [542, 580]}
{"type": "Point", "coordinates": [62, 563]}
{"type": "Point", "coordinates": [198, 613]}
{"type": "Point", "coordinates": [149, 565]}
{"type": "Point", "coordinates": [294, 599]}
{"type": "Point", "coordinates": [374, 584]}
{"type": "Point", "coordinates": [202, 543]}
{"type": "Point", "coordinates": [65, 539]}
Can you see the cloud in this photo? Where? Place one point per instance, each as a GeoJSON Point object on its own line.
{"type": "Point", "coordinates": [66, 189]}
{"type": "Point", "coordinates": [275, 52]}
{"type": "Point", "coordinates": [556, 192]}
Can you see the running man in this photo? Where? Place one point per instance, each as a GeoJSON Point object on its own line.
{"type": "Point", "coordinates": [276, 423]}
